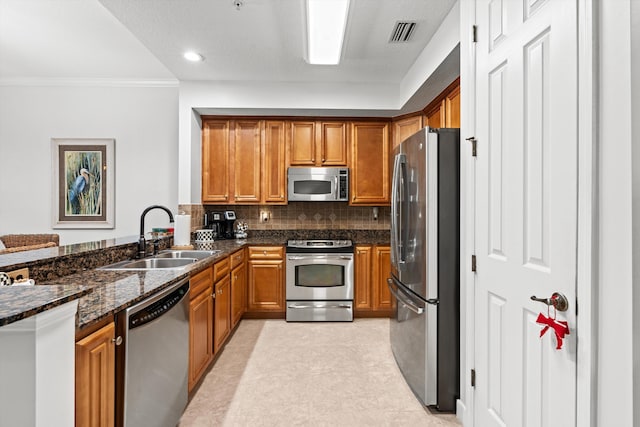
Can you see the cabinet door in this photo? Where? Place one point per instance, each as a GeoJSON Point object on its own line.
{"type": "Point", "coordinates": [266, 286]}
{"type": "Point", "coordinates": [382, 299]}
{"type": "Point", "coordinates": [215, 161]}
{"type": "Point", "coordinates": [95, 378]}
{"type": "Point", "coordinates": [222, 319]}
{"type": "Point", "coordinates": [362, 274]}
{"type": "Point", "coordinates": [402, 129]}
{"type": "Point", "coordinates": [274, 166]}
{"type": "Point", "coordinates": [435, 117]}
{"type": "Point", "coordinates": [238, 293]}
{"type": "Point", "coordinates": [452, 108]}
{"type": "Point", "coordinates": [370, 164]}
{"type": "Point", "coordinates": [333, 144]}
{"type": "Point", "coordinates": [303, 143]}
{"type": "Point", "coordinates": [246, 157]}
{"type": "Point", "coordinates": [200, 335]}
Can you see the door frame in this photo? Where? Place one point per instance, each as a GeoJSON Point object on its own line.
{"type": "Point", "coordinates": [587, 249]}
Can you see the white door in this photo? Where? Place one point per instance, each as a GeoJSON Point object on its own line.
{"type": "Point", "coordinates": [526, 216]}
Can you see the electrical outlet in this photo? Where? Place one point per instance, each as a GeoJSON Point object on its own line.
{"type": "Point", "coordinates": [20, 274]}
{"type": "Point", "coordinates": [264, 216]}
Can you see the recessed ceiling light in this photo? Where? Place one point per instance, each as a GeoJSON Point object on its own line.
{"type": "Point", "coordinates": [326, 23]}
{"type": "Point", "coordinates": [193, 56]}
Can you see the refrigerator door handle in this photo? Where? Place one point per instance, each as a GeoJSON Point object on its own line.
{"type": "Point", "coordinates": [394, 212]}
{"type": "Point", "coordinates": [393, 287]}
{"type": "Point", "coordinates": [397, 215]}
{"type": "Point", "coordinates": [404, 211]}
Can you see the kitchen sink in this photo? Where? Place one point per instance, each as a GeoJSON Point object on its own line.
{"type": "Point", "coordinates": [167, 259]}
{"type": "Point", "coordinates": [151, 264]}
{"type": "Point", "coordinates": [186, 254]}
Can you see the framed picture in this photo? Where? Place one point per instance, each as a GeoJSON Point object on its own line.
{"type": "Point", "coordinates": [83, 183]}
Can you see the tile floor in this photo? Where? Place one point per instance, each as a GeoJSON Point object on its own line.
{"type": "Point", "coordinates": [274, 373]}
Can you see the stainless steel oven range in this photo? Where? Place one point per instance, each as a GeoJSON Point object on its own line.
{"type": "Point", "coordinates": [319, 281]}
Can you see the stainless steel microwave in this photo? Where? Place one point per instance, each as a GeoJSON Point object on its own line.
{"type": "Point", "coordinates": [316, 184]}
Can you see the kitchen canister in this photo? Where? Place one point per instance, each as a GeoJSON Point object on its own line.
{"type": "Point", "coordinates": [205, 235]}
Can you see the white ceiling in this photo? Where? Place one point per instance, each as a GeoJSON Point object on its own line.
{"type": "Point", "coordinates": [70, 39]}
{"type": "Point", "coordinates": [261, 42]}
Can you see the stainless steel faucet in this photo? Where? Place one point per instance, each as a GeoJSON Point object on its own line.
{"type": "Point", "coordinates": [142, 243]}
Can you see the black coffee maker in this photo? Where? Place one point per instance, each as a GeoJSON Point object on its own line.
{"type": "Point", "coordinates": [227, 231]}
{"type": "Point", "coordinates": [221, 223]}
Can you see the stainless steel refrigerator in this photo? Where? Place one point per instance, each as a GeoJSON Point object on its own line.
{"type": "Point", "coordinates": [425, 263]}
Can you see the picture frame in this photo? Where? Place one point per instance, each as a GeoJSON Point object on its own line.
{"type": "Point", "coordinates": [83, 184]}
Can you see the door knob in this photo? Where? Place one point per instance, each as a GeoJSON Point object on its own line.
{"type": "Point", "coordinates": [557, 300]}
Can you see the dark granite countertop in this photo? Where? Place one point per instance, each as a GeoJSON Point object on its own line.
{"type": "Point", "coordinates": [21, 302]}
{"type": "Point", "coordinates": [71, 270]}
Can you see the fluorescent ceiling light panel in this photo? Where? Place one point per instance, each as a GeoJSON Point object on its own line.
{"type": "Point", "coordinates": [326, 23]}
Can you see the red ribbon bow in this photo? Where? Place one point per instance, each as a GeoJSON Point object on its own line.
{"type": "Point", "coordinates": [560, 327]}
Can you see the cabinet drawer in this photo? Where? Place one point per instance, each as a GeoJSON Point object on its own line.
{"type": "Point", "coordinates": [237, 258]}
{"type": "Point", "coordinates": [266, 252]}
{"type": "Point", "coordinates": [221, 269]}
{"type": "Point", "coordinates": [200, 282]}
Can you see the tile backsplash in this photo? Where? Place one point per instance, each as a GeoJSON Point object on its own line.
{"type": "Point", "coordinates": [299, 216]}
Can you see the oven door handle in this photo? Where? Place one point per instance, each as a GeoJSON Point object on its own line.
{"type": "Point", "coordinates": [300, 257]}
{"type": "Point", "coordinates": [318, 305]}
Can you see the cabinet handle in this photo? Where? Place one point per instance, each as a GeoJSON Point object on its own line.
{"type": "Point", "coordinates": [213, 295]}
{"type": "Point", "coordinates": [264, 252]}
{"type": "Point", "coordinates": [117, 341]}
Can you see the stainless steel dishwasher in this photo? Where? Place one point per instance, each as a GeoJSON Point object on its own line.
{"type": "Point", "coordinates": [155, 359]}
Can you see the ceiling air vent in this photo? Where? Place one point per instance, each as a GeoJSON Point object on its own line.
{"type": "Point", "coordinates": [402, 32]}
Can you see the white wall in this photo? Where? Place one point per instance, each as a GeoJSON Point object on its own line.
{"type": "Point", "coordinates": [142, 120]}
{"type": "Point", "coordinates": [635, 147]}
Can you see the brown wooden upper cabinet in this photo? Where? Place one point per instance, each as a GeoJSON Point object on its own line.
{"type": "Point", "coordinates": [370, 179]}
{"type": "Point", "coordinates": [245, 153]}
{"type": "Point", "coordinates": [274, 163]}
{"type": "Point", "coordinates": [404, 128]}
{"type": "Point", "coordinates": [444, 110]}
{"type": "Point", "coordinates": [243, 161]}
{"type": "Point", "coordinates": [318, 143]}
{"type": "Point", "coordinates": [215, 161]}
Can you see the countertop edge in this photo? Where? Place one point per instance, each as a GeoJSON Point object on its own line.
{"type": "Point", "coordinates": [70, 295]}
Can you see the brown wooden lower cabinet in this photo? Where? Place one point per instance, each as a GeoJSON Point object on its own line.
{"type": "Point", "coordinates": [200, 325]}
{"type": "Point", "coordinates": [238, 293]}
{"type": "Point", "coordinates": [222, 317]}
{"type": "Point", "coordinates": [266, 280]}
{"type": "Point", "coordinates": [382, 299]}
{"type": "Point", "coordinates": [213, 311]}
{"type": "Point", "coordinates": [372, 297]}
{"type": "Point", "coordinates": [95, 378]}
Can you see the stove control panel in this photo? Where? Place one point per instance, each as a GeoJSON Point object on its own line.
{"type": "Point", "coordinates": [319, 244]}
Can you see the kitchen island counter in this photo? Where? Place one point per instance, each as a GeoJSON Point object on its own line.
{"type": "Point", "coordinates": [21, 302]}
